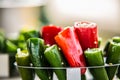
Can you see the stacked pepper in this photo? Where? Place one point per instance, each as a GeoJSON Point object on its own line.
{"type": "Point", "coordinates": [95, 59]}
{"type": "Point", "coordinates": [23, 59]}
{"type": "Point", "coordinates": [87, 34]}
{"type": "Point", "coordinates": [49, 32]}
{"type": "Point", "coordinates": [68, 42]}
{"type": "Point", "coordinates": [112, 50]}
{"type": "Point", "coordinates": [55, 59]}
{"type": "Point", "coordinates": [78, 45]}
{"type": "Point", "coordinates": [36, 49]}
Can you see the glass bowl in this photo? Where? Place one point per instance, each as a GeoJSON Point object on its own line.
{"type": "Point", "coordinates": [72, 73]}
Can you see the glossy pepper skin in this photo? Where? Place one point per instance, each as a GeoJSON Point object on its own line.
{"type": "Point", "coordinates": [49, 32]}
{"type": "Point", "coordinates": [31, 34]}
{"type": "Point", "coordinates": [87, 34]}
{"type": "Point", "coordinates": [36, 49]}
{"type": "Point", "coordinates": [94, 57]}
{"type": "Point", "coordinates": [23, 59]}
{"type": "Point", "coordinates": [114, 39]}
{"type": "Point", "coordinates": [55, 59]}
{"type": "Point", "coordinates": [69, 43]}
{"type": "Point", "coordinates": [106, 48]}
{"type": "Point", "coordinates": [113, 57]}
{"type": "Point", "coordinates": [117, 40]}
{"type": "Point", "coordinates": [11, 48]}
{"type": "Point", "coordinates": [99, 41]}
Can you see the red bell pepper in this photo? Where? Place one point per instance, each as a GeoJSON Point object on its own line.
{"type": "Point", "coordinates": [49, 32]}
{"type": "Point", "coordinates": [87, 34]}
{"type": "Point", "coordinates": [68, 41]}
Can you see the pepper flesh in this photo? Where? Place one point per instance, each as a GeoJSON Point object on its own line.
{"type": "Point", "coordinates": [69, 43]}
{"type": "Point", "coordinates": [87, 34]}
{"type": "Point", "coordinates": [49, 32]}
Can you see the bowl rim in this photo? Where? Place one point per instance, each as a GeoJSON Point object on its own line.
{"type": "Point", "coordinates": [89, 67]}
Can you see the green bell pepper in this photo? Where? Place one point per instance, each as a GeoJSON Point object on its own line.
{"type": "Point", "coordinates": [116, 39]}
{"type": "Point", "coordinates": [94, 58]}
{"type": "Point", "coordinates": [23, 59]}
{"type": "Point", "coordinates": [36, 49]}
{"type": "Point", "coordinates": [31, 34]}
{"type": "Point", "coordinates": [55, 59]}
{"type": "Point", "coordinates": [113, 57]}
{"type": "Point", "coordinates": [10, 47]}
{"type": "Point", "coordinates": [21, 41]}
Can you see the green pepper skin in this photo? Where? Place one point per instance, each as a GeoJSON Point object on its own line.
{"type": "Point", "coordinates": [106, 48]}
{"type": "Point", "coordinates": [23, 59]}
{"type": "Point", "coordinates": [118, 73]}
{"type": "Point", "coordinates": [99, 41]}
{"type": "Point", "coordinates": [2, 44]}
{"type": "Point", "coordinates": [54, 57]}
{"type": "Point", "coordinates": [36, 48]}
{"type": "Point", "coordinates": [83, 77]}
{"type": "Point", "coordinates": [116, 39]}
{"type": "Point", "coordinates": [10, 47]}
{"type": "Point", "coordinates": [21, 41]}
{"type": "Point", "coordinates": [31, 34]}
{"type": "Point", "coordinates": [113, 57]}
{"type": "Point", "coordinates": [94, 57]}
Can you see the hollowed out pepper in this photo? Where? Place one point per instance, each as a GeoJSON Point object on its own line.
{"type": "Point", "coordinates": [114, 39]}
{"type": "Point", "coordinates": [36, 49]}
{"type": "Point", "coordinates": [87, 34]}
{"type": "Point", "coordinates": [55, 59]}
{"type": "Point", "coordinates": [69, 43]}
{"type": "Point", "coordinates": [23, 59]}
{"type": "Point", "coordinates": [113, 57]}
{"type": "Point", "coordinates": [117, 40]}
{"type": "Point", "coordinates": [94, 58]}
{"type": "Point", "coordinates": [49, 32]}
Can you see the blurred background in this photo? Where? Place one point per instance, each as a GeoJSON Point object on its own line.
{"type": "Point", "coordinates": [16, 14]}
